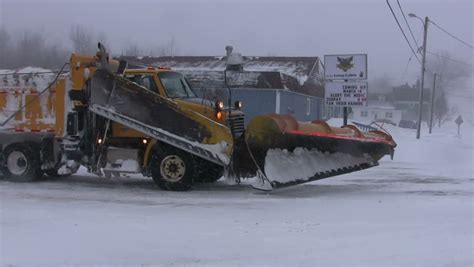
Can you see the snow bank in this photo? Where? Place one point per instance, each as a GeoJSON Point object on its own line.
{"type": "Point", "coordinates": [416, 210]}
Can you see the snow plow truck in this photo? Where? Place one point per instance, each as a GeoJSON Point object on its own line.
{"type": "Point", "coordinates": [97, 113]}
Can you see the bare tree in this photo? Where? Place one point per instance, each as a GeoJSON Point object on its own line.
{"type": "Point", "coordinates": [4, 47]}
{"type": "Point", "coordinates": [132, 50]}
{"type": "Point", "coordinates": [4, 39]}
{"type": "Point", "coordinates": [451, 74]}
{"type": "Point", "coordinates": [29, 48]}
{"type": "Point", "coordinates": [54, 56]}
{"type": "Point", "coordinates": [172, 46]}
{"type": "Point", "coordinates": [82, 39]}
{"type": "Point", "coordinates": [166, 49]}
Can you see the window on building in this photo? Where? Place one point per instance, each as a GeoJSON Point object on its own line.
{"type": "Point", "coordinates": [363, 113]}
{"type": "Point", "coordinates": [388, 114]}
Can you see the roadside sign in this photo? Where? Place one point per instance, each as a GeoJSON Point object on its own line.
{"type": "Point", "coordinates": [346, 94]}
{"type": "Point", "coordinates": [345, 67]}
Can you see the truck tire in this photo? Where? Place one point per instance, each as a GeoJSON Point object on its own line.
{"type": "Point", "coordinates": [208, 172]}
{"type": "Point", "coordinates": [172, 169]}
{"type": "Point", "coordinates": [22, 163]}
{"type": "Point", "coordinates": [2, 166]}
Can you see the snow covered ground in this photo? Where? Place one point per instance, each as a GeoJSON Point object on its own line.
{"type": "Point", "coordinates": [415, 210]}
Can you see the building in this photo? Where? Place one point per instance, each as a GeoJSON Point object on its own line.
{"type": "Point", "coordinates": [297, 74]}
{"type": "Point", "coordinates": [406, 98]}
{"type": "Point", "coordinates": [377, 111]}
{"type": "Point", "coordinates": [282, 85]}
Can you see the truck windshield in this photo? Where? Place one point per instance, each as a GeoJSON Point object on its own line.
{"type": "Point", "coordinates": [176, 85]}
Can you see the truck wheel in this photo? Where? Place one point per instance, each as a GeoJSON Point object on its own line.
{"type": "Point", "coordinates": [22, 163]}
{"type": "Point", "coordinates": [171, 168]}
{"type": "Point", "coordinates": [2, 165]}
{"type": "Point", "coordinates": [209, 172]}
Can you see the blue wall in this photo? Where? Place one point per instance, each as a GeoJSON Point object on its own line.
{"type": "Point", "coordinates": [263, 101]}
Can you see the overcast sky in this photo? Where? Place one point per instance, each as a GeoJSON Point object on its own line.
{"type": "Point", "coordinates": [260, 28]}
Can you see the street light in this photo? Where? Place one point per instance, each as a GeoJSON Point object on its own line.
{"type": "Point", "coordinates": [423, 61]}
{"type": "Point", "coordinates": [411, 15]}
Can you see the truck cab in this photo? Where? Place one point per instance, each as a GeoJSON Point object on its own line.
{"type": "Point", "coordinates": [173, 85]}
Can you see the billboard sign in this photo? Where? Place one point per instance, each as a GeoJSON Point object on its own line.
{"type": "Point", "coordinates": [346, 94]}
{"type": "Point", "coordinates": [345, 67]}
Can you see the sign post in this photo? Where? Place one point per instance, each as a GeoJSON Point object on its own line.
{"type": "Point", "coordinates": [346, 84]}
{"type": "Point", "coordinates": [459, 121]}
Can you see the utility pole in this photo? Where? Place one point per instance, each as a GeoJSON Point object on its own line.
{"type": "Point", "coordinates": [345, 115]}
{"type": "Point", "coordinates": [432, 102]}
{"type": "Point", "coordinates": [423, 61]}
{"type": "Point", "coordinates": [345, 112]}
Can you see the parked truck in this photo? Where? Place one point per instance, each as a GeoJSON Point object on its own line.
{"type": "Point", "coordinates": [114, 120]}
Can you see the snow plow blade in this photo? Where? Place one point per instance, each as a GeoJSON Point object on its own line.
{"type": "Point", "coordinates": [285, 152]}
{"type": "Point", "coordinates": [134, 106]}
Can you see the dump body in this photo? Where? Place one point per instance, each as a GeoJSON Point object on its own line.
{"type": "Point", "coordinates": [33, 102]}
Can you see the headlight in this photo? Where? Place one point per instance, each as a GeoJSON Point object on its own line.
{"type": "Point", "coordinates": [238, 104]}
{"type": "Point", "coordinates": [219, 105]}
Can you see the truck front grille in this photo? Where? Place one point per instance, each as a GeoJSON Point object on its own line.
{"type": "Point", "coordinates": [236, 123]}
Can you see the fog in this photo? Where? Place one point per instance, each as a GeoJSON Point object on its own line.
{"type": "Point", "coordinates": [306, 28]}
{"type": "Point", "coordinates": [415, 209]}
{"type": "Point", "coordinates": [266, 28]}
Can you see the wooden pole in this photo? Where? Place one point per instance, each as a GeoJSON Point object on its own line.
{"type": "Point", "coordinates": [432, 102]}
{"type": "Point", "coordinates": [345, 115]}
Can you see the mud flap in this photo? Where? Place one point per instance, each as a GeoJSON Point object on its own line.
{"type": "Point", "coordinates": [127, 103]}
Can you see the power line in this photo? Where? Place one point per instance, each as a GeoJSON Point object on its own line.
{"type": "Point", "coordinates": [409, 28]}
{"type": "Point", "coordinates": [454, 37]}
{"type": "Point", "coordinates": [406, 67]}
{"type": "Point", "coordinates": [404, 35]}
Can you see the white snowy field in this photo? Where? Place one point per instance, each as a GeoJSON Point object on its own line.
{"type": "Point", "coordinates": [416, 210]}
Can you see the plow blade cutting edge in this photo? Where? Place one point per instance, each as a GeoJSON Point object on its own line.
{"type": "Point", "coordinates": [286, 152]}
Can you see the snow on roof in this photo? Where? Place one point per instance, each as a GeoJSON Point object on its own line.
{"type": "Point", "coordinates": [300, 68]}
{"type": "Point", "coordinates": [26, 77]}
{"type": "Point", "coordinates": [25, 70]}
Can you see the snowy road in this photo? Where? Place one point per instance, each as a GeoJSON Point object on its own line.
{"type": "Point", "coordinates": [415, 210]}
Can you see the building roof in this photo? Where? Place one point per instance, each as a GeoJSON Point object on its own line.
{"type": "Point", "coordinates": [299, 67]}
{"type": "Point", "coordinates": [300, 74]}
{"type": "Point", "coordinates": [409, 93]}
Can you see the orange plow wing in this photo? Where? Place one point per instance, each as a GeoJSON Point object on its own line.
{"type": "Point", "coordinates": [285, 152]}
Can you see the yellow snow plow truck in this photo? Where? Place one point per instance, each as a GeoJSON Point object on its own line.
{"type": "Point", "coordinates": [115, 120]}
